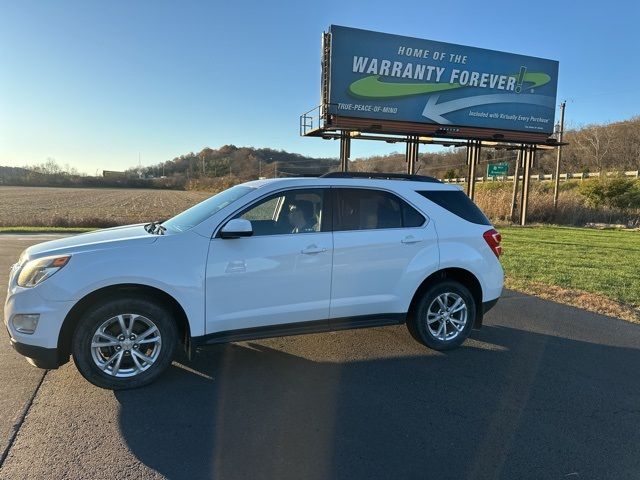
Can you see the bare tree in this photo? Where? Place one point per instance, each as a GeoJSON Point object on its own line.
{"type": "Point", "coordinates": [594, 142]}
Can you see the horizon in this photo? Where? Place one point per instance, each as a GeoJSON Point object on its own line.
{"type": "Point", "coordinates": [98, 86]}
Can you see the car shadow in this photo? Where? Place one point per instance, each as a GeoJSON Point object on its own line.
{"type": "Point", "coordinates": [508, 404]}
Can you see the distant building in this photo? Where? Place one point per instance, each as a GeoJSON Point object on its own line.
{"type": "Point", "coordinates": [113, 174]}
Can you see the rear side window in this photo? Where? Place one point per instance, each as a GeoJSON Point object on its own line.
{"type": "Point", "coordinates": [457, 203]}
{"type": "Point", "coordinates": [365, 209]}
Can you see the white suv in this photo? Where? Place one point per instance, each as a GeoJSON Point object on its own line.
{"type": "Point", "coordinates": [263, 259]}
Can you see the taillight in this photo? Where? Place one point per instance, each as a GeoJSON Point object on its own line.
{"type": "Point", "coordinates": [493, 239]}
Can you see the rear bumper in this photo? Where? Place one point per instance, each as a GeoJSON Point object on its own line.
{"type": "Point", "coordinates": [486, 306]}
{"type": "Point", "coordinates": [40, 357]}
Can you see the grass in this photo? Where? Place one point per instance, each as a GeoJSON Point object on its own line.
{"type": "Point", "coordinates": [44, 229]}
{"type": "Point", "coordinates": [603, 262]}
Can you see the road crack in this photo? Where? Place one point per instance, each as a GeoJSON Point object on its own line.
{"type": "Point", "coordinates": [21, 418]}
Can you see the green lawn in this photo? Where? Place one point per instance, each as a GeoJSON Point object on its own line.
{"type": "Point", "coordinates": [598, 261]}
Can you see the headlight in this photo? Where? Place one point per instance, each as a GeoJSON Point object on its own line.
{"type": "Point", "coordinates": [38, 270]}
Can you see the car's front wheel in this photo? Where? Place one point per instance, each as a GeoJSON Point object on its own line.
{"type": "Point", "coordinates": [444, 316]}
{"type": "Point", "coordinates": [124, 343]}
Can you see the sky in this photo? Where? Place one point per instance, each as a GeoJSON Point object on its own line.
{"type": "Point", "coordinates": [98, 85]}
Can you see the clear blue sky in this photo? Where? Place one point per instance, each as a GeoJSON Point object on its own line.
{"type": "Point", "coordinates": [94, 84]}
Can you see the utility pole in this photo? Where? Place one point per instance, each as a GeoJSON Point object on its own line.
{"type": "Point", "coordinates": [556, 187]}
{"type": "Point", "coordinates": [203, 164]}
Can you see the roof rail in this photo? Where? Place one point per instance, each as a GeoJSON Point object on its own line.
{"type": "Point", "coordinates": [381, 176]}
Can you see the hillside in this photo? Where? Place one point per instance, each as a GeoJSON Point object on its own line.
{"type": "Point", "coordinates": [607, 147]}
{"type": "Point", "coordinates": [240, 162]}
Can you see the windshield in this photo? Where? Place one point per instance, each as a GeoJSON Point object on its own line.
{"type": "Point", "coordinates": [203, 210]}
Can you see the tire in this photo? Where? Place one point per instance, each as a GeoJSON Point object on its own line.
{"type": "Point", "coordinates": [99, 340]}
{"type": "Point", "coordinates": [457, 330]}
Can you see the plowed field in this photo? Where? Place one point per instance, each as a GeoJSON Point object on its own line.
{"type": "Point", "coordinates": [90, 207]}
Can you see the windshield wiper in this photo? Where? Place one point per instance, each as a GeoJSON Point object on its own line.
{"type": "Point", "coordinates": [155, 228]}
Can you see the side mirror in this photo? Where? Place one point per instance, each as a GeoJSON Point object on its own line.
{"type": "Point", "coordinates": [236, 228]}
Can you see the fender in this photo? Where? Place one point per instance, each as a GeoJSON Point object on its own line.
{"type": "Point", "coordinates": [171, 265]}
{"type": "Point", "coordinates": [467, 256]}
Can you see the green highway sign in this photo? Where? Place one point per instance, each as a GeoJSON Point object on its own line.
{"type": "Point", "coordinates": [497, 169]}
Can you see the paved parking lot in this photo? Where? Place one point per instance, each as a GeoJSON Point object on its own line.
{"type": "Point", "coordinates": [542, 391]}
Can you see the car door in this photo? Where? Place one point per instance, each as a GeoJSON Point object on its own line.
{"type": "Point", "coordinates": [279, 275]}
{"type": "Point", "coordinates": [377, 238]}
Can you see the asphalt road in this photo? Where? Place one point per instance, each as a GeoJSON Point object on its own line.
{"type": "Point", "coordinates": [543, 391]}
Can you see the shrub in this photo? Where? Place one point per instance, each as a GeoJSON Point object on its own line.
{"type": "Point", "coordinates": [617, 192]}
{"type": "Point", "coordinates": [572, 209]}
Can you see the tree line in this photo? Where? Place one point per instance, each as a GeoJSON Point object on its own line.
{"type": "Point", "coordinates": [591, 148]}
{"type": "Point", "coordinates": [613, 147]}
{"type": "Point", "coordinates": [594, 148]}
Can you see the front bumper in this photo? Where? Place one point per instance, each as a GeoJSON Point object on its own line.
{"type": "Point", "coordinates": [40, 357]}
{"type": "Point", "coordinates": [51, 316]}
{"type": "Point", "coordinates": [41, 347]}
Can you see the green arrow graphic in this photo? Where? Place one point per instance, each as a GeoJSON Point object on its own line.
{"type": "Point", "coordinates": [373, 87]}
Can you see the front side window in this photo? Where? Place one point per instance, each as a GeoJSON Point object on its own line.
{"type": "Point", "coordinates": [364, 209]}
{"type": "Point", "coordinates": [293, 211]}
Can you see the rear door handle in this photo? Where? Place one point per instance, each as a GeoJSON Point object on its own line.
{"type": "Point", "coordinates": [312, 249]}
{"type": "Point", "coordinates": [410, 239]}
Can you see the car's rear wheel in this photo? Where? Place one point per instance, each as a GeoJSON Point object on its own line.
{"type": "Point", "coordinates": [124, 343]}
{"type": "Point", "coordinates": [444, 316]}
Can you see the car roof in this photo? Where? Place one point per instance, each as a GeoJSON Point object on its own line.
{"type": "Point", "coordinates": [384, 183]}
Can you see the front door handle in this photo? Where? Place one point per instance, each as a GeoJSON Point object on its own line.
{"type": "Point", "coordinates": [410, 239]}
{"type": "Point", "coordinates": [312, 249]}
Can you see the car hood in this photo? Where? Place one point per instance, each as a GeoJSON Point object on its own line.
{"type": "Point", "coordinates": [117, 237]}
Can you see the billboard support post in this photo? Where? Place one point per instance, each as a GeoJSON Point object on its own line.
{"type": "Point", "coordinates": [473, 157]}
{"type": "Point", "coordinates": [516, 175]}
{"type": "Point", "coordinates": [411, 155]}
{"type": "Point", "coordinates": [529, 156]}
{"type": "Point", "coordinates": [523, 160]}
{"type": "Point", "coordinates": [345, 151]}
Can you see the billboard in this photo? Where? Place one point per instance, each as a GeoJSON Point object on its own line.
{"type": "Point", "coordinates": [391, 77]}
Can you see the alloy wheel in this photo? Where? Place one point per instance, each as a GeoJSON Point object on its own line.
{"type": "Point", "coordinates": [126, 345]}
{"type": "Point", "coordinates": [447, 316]}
